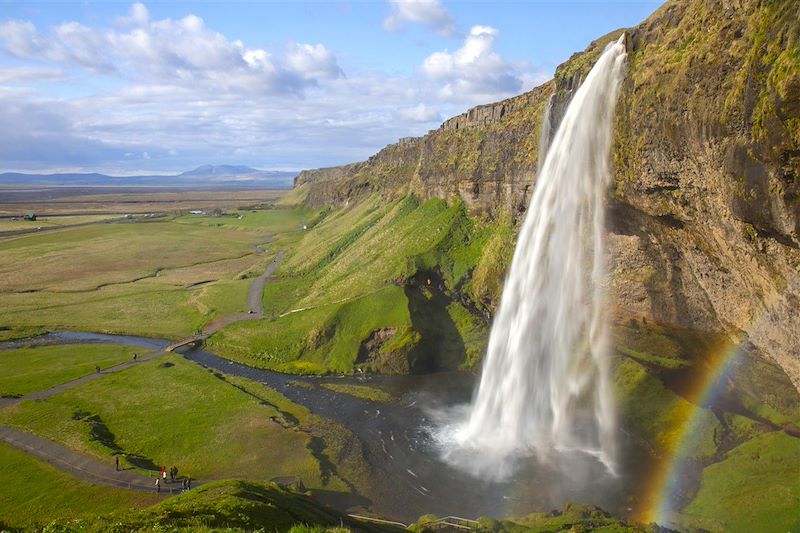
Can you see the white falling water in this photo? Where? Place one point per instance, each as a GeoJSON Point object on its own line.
{"type": "Point", "coordinates": [544, 136]}
{"type": "Point", "coordinates": [545, 386]}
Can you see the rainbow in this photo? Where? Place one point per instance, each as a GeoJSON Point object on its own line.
{"type": "Point", "coordinates": [661, 490]}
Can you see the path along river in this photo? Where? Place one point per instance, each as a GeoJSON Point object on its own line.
{"type": "Point", "coordinates": [408, 479]}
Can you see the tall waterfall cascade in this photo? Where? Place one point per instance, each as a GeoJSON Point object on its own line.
{"type": "Point", "coordinates": [544, 136]}
{"type": "Point", "coordinates": [545, 386]}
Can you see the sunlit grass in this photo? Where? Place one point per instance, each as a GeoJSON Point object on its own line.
{"type": "Point", "coordinates": [28, 370]}
{"type": "Point", "coordinates": [35, 492]}
{"type": "Point", "coordinates": [169, 411]}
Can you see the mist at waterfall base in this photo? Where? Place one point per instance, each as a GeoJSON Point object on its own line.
{"type": "Point", "coordinates": [545, 395]}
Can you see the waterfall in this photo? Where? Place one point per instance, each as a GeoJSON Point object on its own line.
{"type": "Point", "coordinates": [544, 137]}
{"type": "Point", "coordinates": [545, 386]}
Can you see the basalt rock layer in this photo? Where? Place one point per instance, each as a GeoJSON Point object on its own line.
{"type": "Point", "coordinates": [704, 230]}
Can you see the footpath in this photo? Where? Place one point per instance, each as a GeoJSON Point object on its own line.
{"type": "Point", "coordinates": [89, 469]}
{"type": "Point", "coordinates": [81, 466]}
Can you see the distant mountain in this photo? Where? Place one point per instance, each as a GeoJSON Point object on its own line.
{"type": "Point", "coordinates": [205, 175]}
{"type": "Point", "coordinates": [221, 170]}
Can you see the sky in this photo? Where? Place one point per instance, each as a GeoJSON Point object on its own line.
{"type": "Point", "coordinates": [125, 88]}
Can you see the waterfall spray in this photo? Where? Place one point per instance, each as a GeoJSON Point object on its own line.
{"type": "Point", "coordinates": [545, 386]}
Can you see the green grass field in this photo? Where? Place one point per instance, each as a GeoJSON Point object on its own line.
{"type": "Point", "coordinates": [35, 492]}
{"type": "Point", "coordinates": [34, 369]}
{"type": "Point", "coordinates": [165, 278]}
{"type": "Point", "coordinates": [268, 220]}
{"type": "Point", "coordinates": [168, 411]}
{"type": "Point", "coordinates": [85, 258]}
{"type": "Point", "coordinates": [8, 224]}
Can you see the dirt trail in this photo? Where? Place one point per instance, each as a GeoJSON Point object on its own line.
{"type": "Point", "coordinates": [254, 305]}
{"type": "Point", "coordinates": [81, 466]}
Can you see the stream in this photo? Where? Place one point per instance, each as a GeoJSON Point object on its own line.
{"type": "Point", "coordinates": [408, 478]}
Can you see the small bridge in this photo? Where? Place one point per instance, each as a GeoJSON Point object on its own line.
{"type": "Point", "coordinates": [195, 340]}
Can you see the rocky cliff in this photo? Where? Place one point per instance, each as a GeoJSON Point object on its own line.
{"type": "Point", "coordinates": [705, 204]}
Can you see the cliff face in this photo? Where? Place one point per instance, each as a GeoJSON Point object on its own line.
{"type": "Point", "coordinates": [705, 204]}
{"type": "Point", "coordinates": [706, 208]}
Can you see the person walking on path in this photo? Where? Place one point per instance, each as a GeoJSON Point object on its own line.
{"type": "Point", "coordinates": [174, 473]}
{"type": "Point", "coordinates": [158, 484]}
{"type": "Point", "coordinates": [164, 473]}
{"type": "Point", "coordinates": [116, 463]}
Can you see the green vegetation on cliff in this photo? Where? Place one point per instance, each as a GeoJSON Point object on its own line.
{"type": "Point", "coordinates": [383, 286]}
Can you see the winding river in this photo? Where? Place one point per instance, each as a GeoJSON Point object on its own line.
{"type": "Point", "coordinates": [407, 476]}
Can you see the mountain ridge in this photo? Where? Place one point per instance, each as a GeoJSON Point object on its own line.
{"type": "Point", "coordinates": [202, 175]}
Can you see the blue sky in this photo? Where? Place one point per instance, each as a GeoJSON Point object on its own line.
{"type": "Point", "coordinates": [165, 86]}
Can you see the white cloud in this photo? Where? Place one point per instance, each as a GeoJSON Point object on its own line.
{"type": "Point", "coordinates": [313, 61]}
{"type": "Point", "coordinates": [431, 13]}
{"type": "Point", "coordinates": [167, 51]}
{"type": "Point", "coordinates": [139, 13]}
{"type": "Point", "coordinates": [9, 75]}
{"type": "Point", "coordinates": [185, 94]}
{"type": "Point", "coordinates": [70, 44]}
{"type": "Point", "coordinates": [474, 71]}
{"type": "Point", "coordinates": [420, 113]}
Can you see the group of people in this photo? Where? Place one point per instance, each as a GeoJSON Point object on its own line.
{"type": "Point", "coordinates": [173, 475]}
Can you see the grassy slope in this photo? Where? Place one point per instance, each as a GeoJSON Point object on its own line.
{"type": "Point", "coordinates": [574, 517]}
{"type": "Point", "coordinates": [753, 486]}
{"type": "Point", "coordinates": [169, 411]}
{"type": "Point", "coordinates": [231, 506]}
{"type": "Point", "coordinates": [759, 484]}
{"type": "Point", "coordinates": [346, 278]}
{"type": "Point", "coordinates": [165, 278]}
{"type": "Point", "coordinates": [33, 369]}
{"type": "Point", "coordinates": [34, 491]}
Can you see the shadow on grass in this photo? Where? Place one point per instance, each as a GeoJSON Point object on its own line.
{"type": "Point", "coordinates": [340, 500]}
{"type": "Point", "coordinates": [441, 346]}
{"type": "Point", "coordinates": [99, 432]}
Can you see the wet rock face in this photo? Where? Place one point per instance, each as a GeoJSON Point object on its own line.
{"type": "Point", "coordinates": [704, 208]}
